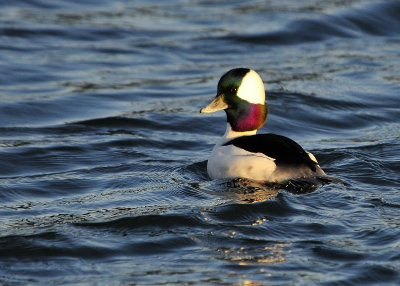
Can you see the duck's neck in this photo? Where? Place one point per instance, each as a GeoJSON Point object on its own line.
{"type": "Point", "coordinates": [230, 134]}
{"type": "Point", "coordinates": [246, 116]}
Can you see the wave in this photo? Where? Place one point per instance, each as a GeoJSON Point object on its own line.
{"type": "Point", "coordinates": [378, 20]}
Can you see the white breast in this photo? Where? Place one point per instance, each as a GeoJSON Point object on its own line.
{"type": "Point", "coordinates": [232, 162]}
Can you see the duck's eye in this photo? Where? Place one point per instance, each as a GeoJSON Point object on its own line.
{"type": "Point", "coordinates": [234, 89]}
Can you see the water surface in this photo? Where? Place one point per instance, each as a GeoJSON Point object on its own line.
{"type": "Point", "coordinates": [103, 150]}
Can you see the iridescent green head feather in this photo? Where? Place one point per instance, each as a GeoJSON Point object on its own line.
{"type": "Point", "coordinates": [241, 94]}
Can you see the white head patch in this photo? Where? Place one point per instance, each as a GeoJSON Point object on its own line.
{"type": "Point", "coordinates": [252, 88]}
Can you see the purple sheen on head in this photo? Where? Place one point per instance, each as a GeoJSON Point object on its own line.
{"type": "Point", "coordinates": [253, 119]}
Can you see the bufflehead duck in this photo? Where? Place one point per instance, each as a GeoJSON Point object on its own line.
{"type": "Point", "coordinates": [241, 153]}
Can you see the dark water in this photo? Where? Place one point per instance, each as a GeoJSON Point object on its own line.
{"type": "Point", "coordinates": [103, 151]}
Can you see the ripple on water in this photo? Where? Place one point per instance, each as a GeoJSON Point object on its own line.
{"type": "Point", "coordinates": [377, 19]}
{"type": "Point", "coordinates": [103, 151]}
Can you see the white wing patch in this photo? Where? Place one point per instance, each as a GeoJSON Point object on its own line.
{"type": "Point", "coordinates": [312, 157]}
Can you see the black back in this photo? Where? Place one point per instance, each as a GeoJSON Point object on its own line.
{"type": "Point", "coordinates": [285, 151]}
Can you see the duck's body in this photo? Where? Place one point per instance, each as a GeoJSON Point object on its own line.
{"type": "Point", "coordinates": [242, 153]}
{"type": "Point", "coordinates": [260, 157]}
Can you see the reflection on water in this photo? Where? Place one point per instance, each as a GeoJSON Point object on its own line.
{"type": "Point", "coordinates": [272, 254]}
{"type": "Point", "coordinates": [246, 191]}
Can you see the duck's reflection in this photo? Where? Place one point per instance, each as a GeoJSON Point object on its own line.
{"type": "Point", "coordinates": [247, 191]}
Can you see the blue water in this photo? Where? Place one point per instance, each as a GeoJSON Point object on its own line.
{"type": "Point", "coordinates": [103, 150]}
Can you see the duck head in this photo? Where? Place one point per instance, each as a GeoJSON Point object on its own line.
{"type": "Point", "coordinates": [241, 94]}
